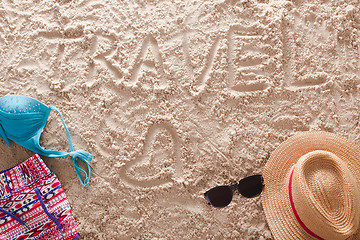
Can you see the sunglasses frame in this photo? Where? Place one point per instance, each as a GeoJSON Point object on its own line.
{"type": "Point", "coordinates": [234, 186]}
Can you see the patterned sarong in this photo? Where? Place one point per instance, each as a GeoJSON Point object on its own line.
{"type": "Point", "coordinates": [33, 204]}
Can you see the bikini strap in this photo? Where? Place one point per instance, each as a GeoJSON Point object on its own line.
{"type": "Point", "coordinates": [78, 154]}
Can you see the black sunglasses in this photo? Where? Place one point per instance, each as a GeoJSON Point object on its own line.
{"type": "Point", "coordinates": [249, 187]}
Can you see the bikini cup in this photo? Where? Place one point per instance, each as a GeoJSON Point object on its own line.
{"type": "Point", "coordinates": [23, 119]}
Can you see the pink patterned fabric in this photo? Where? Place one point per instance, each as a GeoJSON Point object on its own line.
{"type": "Point", "coordinates": [46, 215]}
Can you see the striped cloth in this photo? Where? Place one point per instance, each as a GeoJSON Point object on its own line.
{"type": "Point", "coordinates": [33, 205]}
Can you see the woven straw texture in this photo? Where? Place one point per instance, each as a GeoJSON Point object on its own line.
{"type": "Point", "coordinates": [341, 173]}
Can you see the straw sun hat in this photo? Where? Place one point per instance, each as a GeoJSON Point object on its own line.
{"type": "Point", "coordinates": [312, 183]}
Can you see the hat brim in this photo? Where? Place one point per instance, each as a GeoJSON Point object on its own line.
{"type": "Point", "coordinates": [275, 196]}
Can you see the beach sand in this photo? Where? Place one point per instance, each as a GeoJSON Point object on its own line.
{"type": "Point", "coordinates": [176, 97]}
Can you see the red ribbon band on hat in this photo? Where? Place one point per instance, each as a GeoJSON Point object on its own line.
{"type": "Point", "coordinates": [296, 214]}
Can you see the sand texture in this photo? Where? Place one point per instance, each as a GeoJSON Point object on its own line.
{"type": "Point", "coordinates": [175, 97]}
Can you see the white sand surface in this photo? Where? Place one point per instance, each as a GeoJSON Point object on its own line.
{"type": "Point", "coordinates": [175, 97]}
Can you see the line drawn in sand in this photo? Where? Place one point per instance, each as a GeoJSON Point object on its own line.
{"type": "Point", "coordinates": [199, 70]}
{"type": "Point", "coordinates": [100, 51]}
{"type": "Point", "coordinates": [151, 157]}
{"type": "Point", "coordinates": [102, 48]}
{"type": "Point", "coordinates": [149, 59]}
{"type": "Point", "coordinates": [200, 83]}
{"type": "Point", "coordinates": [246, 61]}
{"type": "Point", "coordinates": [299, 73]}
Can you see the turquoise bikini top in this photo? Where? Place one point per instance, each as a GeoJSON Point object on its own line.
{"type": "Point", "coordinates": [23, 119]}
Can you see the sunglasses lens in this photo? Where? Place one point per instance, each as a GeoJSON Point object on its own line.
{"type": "Point", "coordinates": [219, 196]}
{"type": "Point", "coordinates": [251, 186]}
